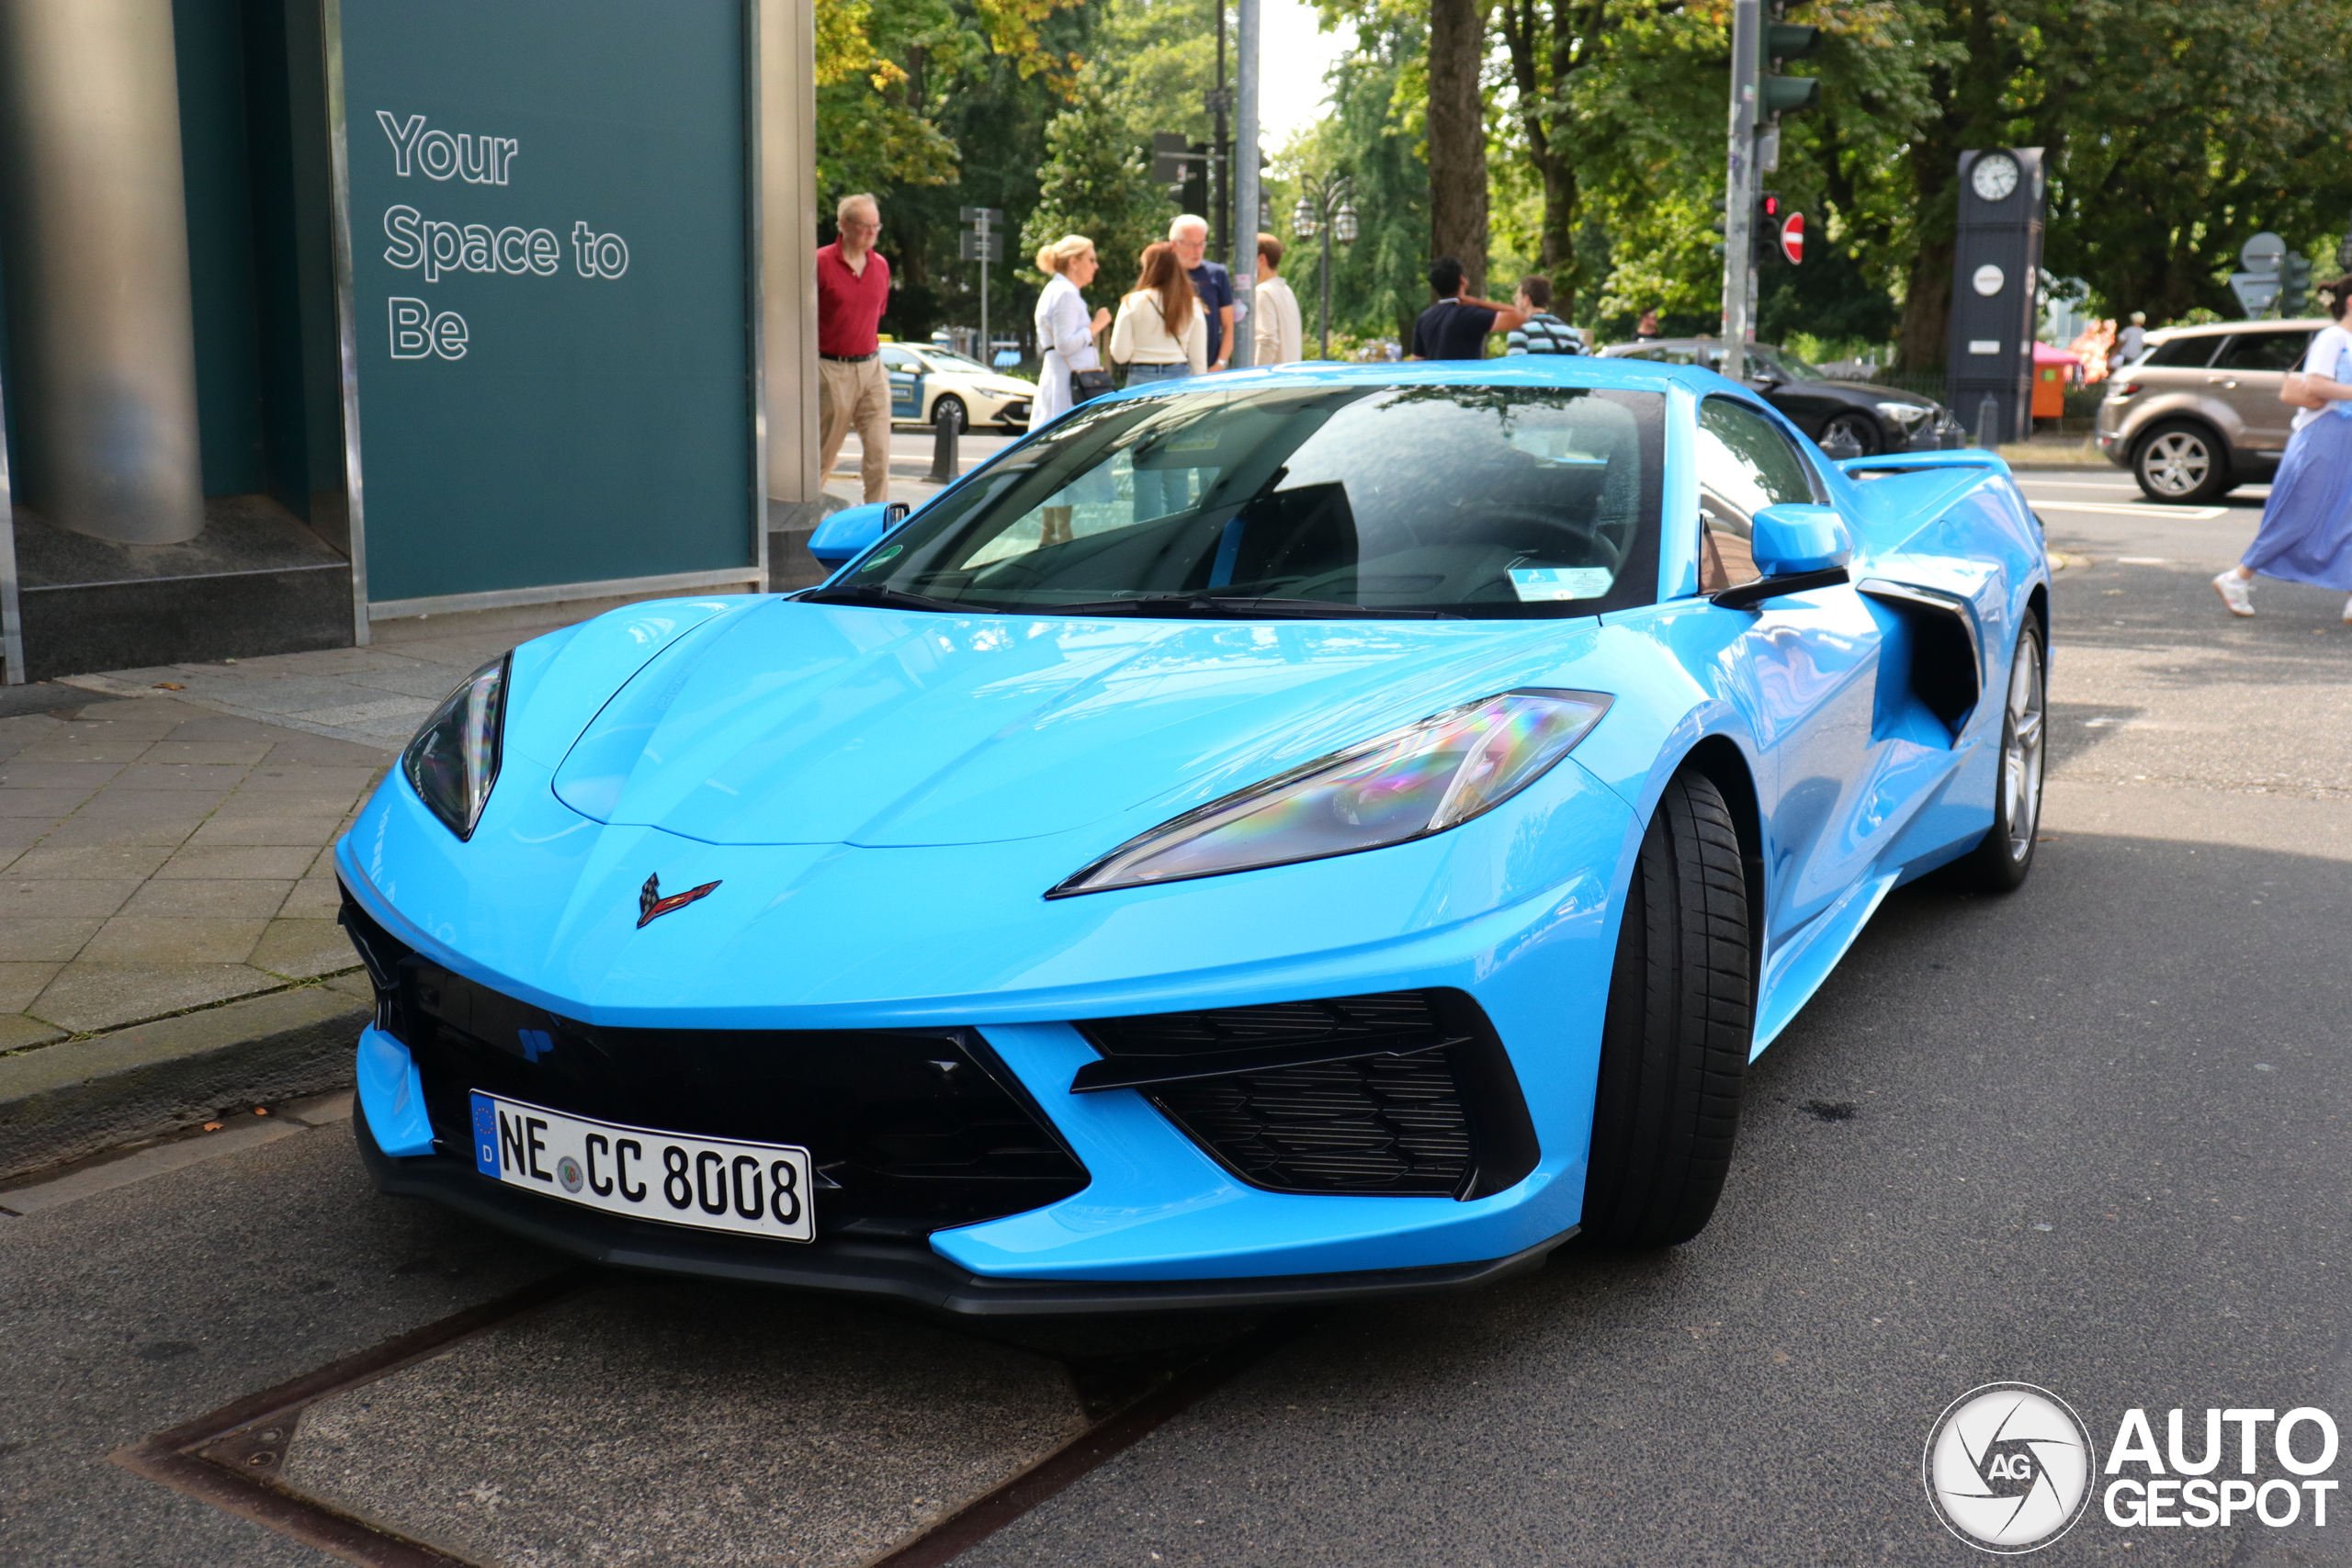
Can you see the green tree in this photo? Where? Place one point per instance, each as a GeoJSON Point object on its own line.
{"type": "Point", "coordinates": [1373, 136]}
{"type": "Point", "coordinates": [1096, 182]}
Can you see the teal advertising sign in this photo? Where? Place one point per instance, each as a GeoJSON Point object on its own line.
{"type": "Point", "coordinates": [549, 311]}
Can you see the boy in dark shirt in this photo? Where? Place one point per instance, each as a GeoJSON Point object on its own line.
{"type": "Point", "coordinates": [1456, 326]}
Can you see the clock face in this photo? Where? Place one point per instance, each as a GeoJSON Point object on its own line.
{"type": "Point", "coordinates": [1995, 176]}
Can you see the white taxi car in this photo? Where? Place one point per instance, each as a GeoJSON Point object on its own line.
{"type": "Point", "coordinates": [925, 380]}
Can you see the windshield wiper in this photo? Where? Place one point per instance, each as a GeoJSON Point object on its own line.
{"type": "Point", "coordinates": [875, 594]}
{"type": "Point", "coordinates": [1209, 605]}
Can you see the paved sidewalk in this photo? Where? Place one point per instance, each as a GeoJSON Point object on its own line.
{"type": "Point", "coordinates": [156, 856]}
{"type": "Point", "coordinates": [373, 697]}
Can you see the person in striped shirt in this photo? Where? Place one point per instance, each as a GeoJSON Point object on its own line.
{"type": "Point", "coordinates": [1543, 332]}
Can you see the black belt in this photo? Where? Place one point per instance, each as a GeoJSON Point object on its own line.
{"type": "Point", "coordinates": [850, 358]}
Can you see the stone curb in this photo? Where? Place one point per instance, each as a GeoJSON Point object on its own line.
{"type": "Point", "coordinates": [64, 1102]}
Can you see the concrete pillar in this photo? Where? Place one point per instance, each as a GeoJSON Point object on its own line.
{"type": "Point", "coordinates": [97, 232]}
{"type": "Point", "coordinates": [788, 257]}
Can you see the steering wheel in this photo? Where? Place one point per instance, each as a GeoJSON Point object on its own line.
{"type": "Point", "coordinates": [1585, 536]}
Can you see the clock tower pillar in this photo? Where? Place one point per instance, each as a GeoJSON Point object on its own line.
{"type": "Point", "coordinates": [1997, 278]}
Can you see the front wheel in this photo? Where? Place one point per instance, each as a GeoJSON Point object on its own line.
{"type": "Point", "coordinates": [2181, 463]}
{"type": "Point", "coordinates": [1851, 435]}
{"type": "Point", "coordinates": [950, 408]}
{"type": "Point", "coordinates": [2002, 861]}
{"type": "Point", "coordinates": [1674, 1044]}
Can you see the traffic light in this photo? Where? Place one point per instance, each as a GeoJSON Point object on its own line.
{"type": "Point", "coordinates": [1776, 42]}
{"type": "Point", "coordinates": [1777, 233]}
{"type": "Point", "coordinates": [2294, 284]}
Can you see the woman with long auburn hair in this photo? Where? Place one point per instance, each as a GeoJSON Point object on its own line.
{"type": "Point", "coordinates": [1161, 334]}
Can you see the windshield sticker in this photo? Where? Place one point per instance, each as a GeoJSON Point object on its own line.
{"type": "Point", "coordinates": [1535, 583]}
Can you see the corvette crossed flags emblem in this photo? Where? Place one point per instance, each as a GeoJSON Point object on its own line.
{"type": "Point", "coordinates": [652, 905]}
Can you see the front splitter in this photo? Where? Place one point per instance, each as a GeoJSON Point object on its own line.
{"type": "Point", "coordinates": [901, 1269]}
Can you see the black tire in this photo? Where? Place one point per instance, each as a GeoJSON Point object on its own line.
{"type": "Point", "coordinates": [1673, 1045]}
{"type": "Point", "coordinates": [2003, 861]}
{"type": "Point", "coordinates": [2182, 463]}
{"type": "Point", "coordinates": [1861, 426]}
{"type": "Point", "coordinates": [939, 412]}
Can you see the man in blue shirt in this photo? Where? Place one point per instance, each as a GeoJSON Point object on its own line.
{"type": "Point", "coordinates": [1213, 283]}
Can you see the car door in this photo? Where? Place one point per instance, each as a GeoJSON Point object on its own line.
{"type": "Point", "coordinates": [1805, 670]}
{"type": "Point", "coordinates": [2247, 374]}
{"type": "Point", "coordinates": [904, 371]}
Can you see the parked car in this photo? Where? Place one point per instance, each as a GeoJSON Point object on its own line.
{"type": "Point", "coordinates": [2197, 413]}
{"type": "Point", "coordinates": [925, 382]}
{"type": "Point", "coordinates": [1339, 832]}
{"type": "Point", "coordinates": [1873, 419]}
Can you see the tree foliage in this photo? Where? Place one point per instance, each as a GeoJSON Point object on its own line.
{"type": "Point", "coordinates": [2173, 131]}
{"type": "Point", "coordinates": [1096, 182]}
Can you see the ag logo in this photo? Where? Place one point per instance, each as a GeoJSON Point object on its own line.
{"type": "Point", "coordinates": [2008, 1468]}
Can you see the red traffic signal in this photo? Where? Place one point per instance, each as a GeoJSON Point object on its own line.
{"type": "Point", "coordinates": [1793, 238]}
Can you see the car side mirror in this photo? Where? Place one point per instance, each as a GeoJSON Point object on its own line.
{"type": "Point", "coordinates": [1797, 547]}
{"type": "Point", "coordinates": [1791, 538]}
{"type": "Point", "coordinates": [853, 530]}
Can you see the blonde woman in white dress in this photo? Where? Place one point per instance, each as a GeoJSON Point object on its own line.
{"type": "Point", "coordinates": [1065, 331]}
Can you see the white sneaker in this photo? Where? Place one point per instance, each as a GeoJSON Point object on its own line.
{"type": "Point", "coordinates": [2239, 595]}
{"type": "Point", "coordinates": [2348, 610]}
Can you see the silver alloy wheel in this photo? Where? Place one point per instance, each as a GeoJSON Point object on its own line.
{"type": "Point", "coordinates": [2177, 462]}
{"type": "Point", "coordinates": [2021, 749]}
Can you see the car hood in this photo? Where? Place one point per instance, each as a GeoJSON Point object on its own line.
{"type": "Point", "coordinates": [1872, 391]}
{"type": "Point", "coordinates": [809, 723]}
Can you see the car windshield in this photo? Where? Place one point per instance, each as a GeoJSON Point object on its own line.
{"type": "Point", "coordinates": [1323, 500]}
{"type": "Point", "coordinates": [1782, 362]}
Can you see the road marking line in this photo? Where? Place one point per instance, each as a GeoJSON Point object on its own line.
{"type": "Point", "coordinates": [2187, 513]}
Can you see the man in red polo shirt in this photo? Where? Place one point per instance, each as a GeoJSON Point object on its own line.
{"type": "Point", "coordinates": [853, 393]}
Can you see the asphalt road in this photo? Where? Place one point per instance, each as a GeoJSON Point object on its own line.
{"type": "Point", "coordinates": [2091, 1136]}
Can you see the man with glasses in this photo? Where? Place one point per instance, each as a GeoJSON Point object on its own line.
{"type": "Point", "coordinates": [852, 393]}
{"type": "Point", "coordinates": [1211, 282]}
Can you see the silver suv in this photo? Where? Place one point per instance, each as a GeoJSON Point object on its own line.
{"type": "Point", "coordinates": [2197, 414]}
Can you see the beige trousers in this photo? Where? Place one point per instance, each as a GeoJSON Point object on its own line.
{"type": "Point", "coordinates": [854, 397]}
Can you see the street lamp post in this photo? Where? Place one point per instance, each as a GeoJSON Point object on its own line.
{"type": "Point", "coordinates": [1324, 209]}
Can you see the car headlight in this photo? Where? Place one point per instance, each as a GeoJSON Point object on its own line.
{"type": "Point", "coordinates": [454, 759]}
{"type": "Point", "coordinates": [1906, 414]}
{"type": "Point", "coordinates": [1408, 784]}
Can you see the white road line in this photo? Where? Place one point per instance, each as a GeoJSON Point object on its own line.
{"type": "Point", "coordinates": [2079, 484]}
{"type": "Point", "coordinates": [2187, 513]}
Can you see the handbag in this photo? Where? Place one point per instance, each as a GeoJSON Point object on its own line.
{"type": "Point", "coordinates": [1085, 384]}
{"type": "Point", "coordinates": [2295, 391]}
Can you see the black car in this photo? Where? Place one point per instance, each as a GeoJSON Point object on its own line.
{"type": "Point", "coordinates": [1848, 418]}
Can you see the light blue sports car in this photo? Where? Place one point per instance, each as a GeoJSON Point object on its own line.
{"type": "Point", "coordinates": [1307, 833]}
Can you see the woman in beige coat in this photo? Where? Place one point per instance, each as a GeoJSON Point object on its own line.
{"type": "Point", "coordinates": [1161, 334]}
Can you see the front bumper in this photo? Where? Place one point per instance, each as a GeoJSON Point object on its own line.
{"type": "Point", "coordinates": [895, 1269]}
{"type": "Point", "coordinates": [955, 937]}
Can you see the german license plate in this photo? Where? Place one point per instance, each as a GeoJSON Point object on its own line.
{"type": "Point", "coordinates": [713, 1184]}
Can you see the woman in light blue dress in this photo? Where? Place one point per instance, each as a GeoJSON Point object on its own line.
{"type": "Point", "coordinates": [2306, 533]}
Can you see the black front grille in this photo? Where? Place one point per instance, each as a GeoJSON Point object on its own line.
{"type": "Point", "coordinates": [1407, 1093]}
{"type": "Point", "coordinates": [909, 1130]}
